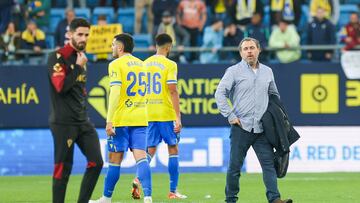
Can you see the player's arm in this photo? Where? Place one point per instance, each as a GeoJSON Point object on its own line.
{"type": "Point", "coordinates": [176, 104]}
{"type": "Point", "coordinates": [174, 94]}
{"type": "Point", "coordinates": [114, 97]}
{"type": "Point", "coordinates": [61, 80]}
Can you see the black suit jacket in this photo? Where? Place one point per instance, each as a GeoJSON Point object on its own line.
{"type": "Point", "coordinates": [277, 126]}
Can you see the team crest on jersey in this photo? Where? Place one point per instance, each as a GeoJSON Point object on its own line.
{"type": "Point", "coordinates": [113, 74]}
{"type": "Point", "coordinates": [128, 103]}
{"type": "Point", "coordinates": [69, 142]}
{"type": "Point", "coordinates": [57, 68]}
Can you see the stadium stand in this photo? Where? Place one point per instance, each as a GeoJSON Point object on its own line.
{"type": "Point", "coordinates": [107, 11]}
{"type": "Point", "coordinates": [56, 15]}
{"type": "Point", "coordinates": [345, 11]}
{"type": "Point", "coordinates": [142, 41]}
{"type": "Point", "coordinates": [126, 16]}
{"type": "Point", "coordinates": [83, 13]}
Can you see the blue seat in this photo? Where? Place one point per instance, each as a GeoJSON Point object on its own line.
{"type": "Point", "coordinates": [142, 41]}
{"type": "Point", "coordinates": [345, 12]}
{"type": "Point", "coordinates": [50, 41]}
{"type": "Point", "coordinates": [106, 11]}
{"type": "Point", "coordinates": [303, 23]}
{"type": "Point", "coordinates": [56, 15]}
{"type": "Point", "coordinates": [352, 1]}
{"type": "Point", "coordinates": [126, 16]}
{"type": "Point", "coordinates": [266, 18]}
{"type": "Point", "coordinates": [82, 12]}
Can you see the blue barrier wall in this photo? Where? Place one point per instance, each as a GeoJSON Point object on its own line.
{"type": "Point", "coordinates": [29, 152]}
{"type": "Point", "coordinates": [314, 94]}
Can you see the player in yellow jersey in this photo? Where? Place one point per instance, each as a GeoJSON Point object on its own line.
{"type": "Point", "coordinates": [163, 109]}
{"type": "Point", "coordinates": [126, 121]}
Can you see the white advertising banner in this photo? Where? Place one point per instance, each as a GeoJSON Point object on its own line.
{"type": "Point", "coordinates": [320, 149]}
{"type": "Point", "coordinates": [350, 62]}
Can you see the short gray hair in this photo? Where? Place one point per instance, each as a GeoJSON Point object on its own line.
{"type": "Point", "coordinates": [246, 39]}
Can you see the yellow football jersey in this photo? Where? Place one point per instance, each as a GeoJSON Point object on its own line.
{"type": "Point", "coordinates": [161, 72]}
{"type": "Point", "coordinates": [129, 72]}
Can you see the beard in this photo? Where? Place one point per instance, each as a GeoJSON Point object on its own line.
{"type": "Point", "coordinates": [79, 46]}
{"type": "Point", "coordinates": [115, 55]}
{"type": "Point", "coordinates": [251, 61]}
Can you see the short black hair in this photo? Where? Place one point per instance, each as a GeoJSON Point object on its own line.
{"type": "Point", "coordinates": [78, 22]}
{"type": "Point", "coordinates": [126, 40]}
{"type": "Point", "coordinates": [162, 39]}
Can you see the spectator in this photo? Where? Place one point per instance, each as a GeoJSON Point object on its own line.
{"type": "Point", "coordinates": [331, 9]}
{"type": "Point", "coordinates": [220, 8]}
{"type": "Point", "coordinates": [321, 31]}
{"type": "Point", "coordinates": [213, 38]}
{"type": "Point", "coordinates": [19, 15]}
{"type": "Point", "coordinates": [102, 56]}
{"type": "Point", "coordinates": [191, 14]}
{"type": "Point", "coordinates": [258, 31]}
{"type": "Point", "coordinates": [70, 4]}
{"type": "Point", "coordinates": [232, 38]}
{"type": "Point", "coordinates": [289, 10]}
{"type": "Point", "coordinates": [158, 8]}
{"type": "Point", "coordinates": [101, 20]}
{"type": "Point", "coordinates": [5, 14]}
{"type": "Point", "coordinates": [241, 11]}
{"type": "Point", "coordinates": [139, 10]}
{"type": "Point", "coordinates": [179, 35]}
{"type": "Point", "coordinates": [33, 38]}
{"type": "Point", "coordinates": [39, 11]}
{"type": "Point", "coordinates": [62, 28]}
{"type": "Point", "coordinates": [10, 42]}
{"type": "Point", "coordinates": [285, 36]}
{"type": "Point", "coordinates": [351, 32]}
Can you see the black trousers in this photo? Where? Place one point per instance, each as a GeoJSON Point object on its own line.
{"type": "Point", "coordinates": [65, 136]}
{"type": "Point", "coordinates": [194, 34]}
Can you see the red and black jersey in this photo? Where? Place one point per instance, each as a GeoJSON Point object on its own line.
{"type": "Point", "coordinates": [67, 87]}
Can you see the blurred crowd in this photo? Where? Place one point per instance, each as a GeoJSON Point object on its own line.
{"type": "Point", "coordinates": [208, 25]}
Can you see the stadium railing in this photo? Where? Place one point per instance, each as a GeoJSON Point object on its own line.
{"type": "Point", "coordinates": [337, 48]}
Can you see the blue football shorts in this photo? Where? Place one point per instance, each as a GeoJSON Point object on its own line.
{"type": "Point", "coordinates": [162, 130]}
{"type": "Point", "coordinates": [133, 137]}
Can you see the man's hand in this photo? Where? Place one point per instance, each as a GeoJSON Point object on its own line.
{"type": "Point", "coordinates": [348, 40]}
{"type": "Point", "coordinates": [109, 129]}
{"type": "Point", "coordinates": [328, 55]}
{"type": "Point", "coordinates": [81, 59]}
{"type": "Point", "coordinates": [236, 121]}
{"type": "Point", "coordinates": [40, 13]}
{"type": "Point", "coordinates": [180, 48]}
{"type": "Point", "coordinates": [178, 125]}
{"type": "Point", "coordinates": [37, 49]}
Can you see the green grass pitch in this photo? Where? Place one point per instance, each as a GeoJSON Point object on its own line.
{"type": "Point", "coordinates": [200, 187]}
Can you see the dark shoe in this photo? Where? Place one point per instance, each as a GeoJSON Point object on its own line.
{"type": "Point", "coordinates": [282, 201]}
